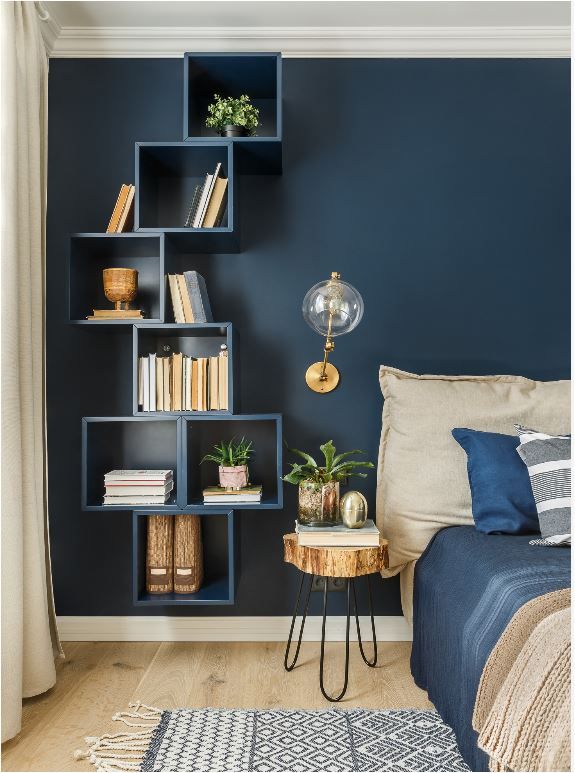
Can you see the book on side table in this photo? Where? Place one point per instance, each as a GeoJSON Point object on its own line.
{"type": "Point", "coordinates": [338, 536]}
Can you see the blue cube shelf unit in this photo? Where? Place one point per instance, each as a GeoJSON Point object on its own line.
{"type": "Point", "coordinates": [165, 177]}
{"type": "Point", "coordinates": [220, 538]}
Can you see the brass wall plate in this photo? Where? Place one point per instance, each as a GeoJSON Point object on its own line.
{"type": "Point", "coordinates": [312, 377]}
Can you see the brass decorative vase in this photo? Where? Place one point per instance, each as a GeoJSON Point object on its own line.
{"type": "Point", "coordinates": [353, 509]}
{"type": "Point", "coordinates": [318, 503]}
{"type": "Point", "coordinates": [120, 286]}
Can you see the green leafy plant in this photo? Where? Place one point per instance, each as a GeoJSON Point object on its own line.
{"type": "Point", "coordinates": [230, 453]}
{"type": "Point", "coordinates": [336, 467]}
{"type": "Point", "coordinates": [231, 111]}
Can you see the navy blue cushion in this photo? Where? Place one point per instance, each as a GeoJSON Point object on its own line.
{"type": "Point", "coordinates": [501, 496]}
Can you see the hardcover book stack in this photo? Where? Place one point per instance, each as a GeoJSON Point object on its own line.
{"type": "Point", "coordinates": [338, 536]}
{"type": "Point", "coordinates": [138, 487]}
{"type": "Point", "coordinates": [217, 495]}
{"type": "Point", "coordinates": [208, 204]}
{"type": "Point", "coordinates": [190, 300]}
{"type": "Point", "coordinates": [182, 383]}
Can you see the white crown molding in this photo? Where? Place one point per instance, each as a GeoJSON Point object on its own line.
{"type": "Point", "coordinates": [393, 42]}
{"type": "Point", "coordinates": [156, 628]}
{"type": "Point", "coordinates": [51, 31]}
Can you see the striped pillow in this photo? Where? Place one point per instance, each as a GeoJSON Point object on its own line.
{"type": "Point", "coordinates": [548, 460]}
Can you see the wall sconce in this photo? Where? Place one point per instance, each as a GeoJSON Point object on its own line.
{"type": "Point", "coordinates": [332, 308]}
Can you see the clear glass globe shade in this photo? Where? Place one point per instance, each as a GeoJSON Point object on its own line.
{"type": "Point", "coordinates": [333, 300]}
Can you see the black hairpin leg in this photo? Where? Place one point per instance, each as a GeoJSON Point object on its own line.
{"type": "Point", "coordinates": [373, 662]}
{"type": "Point", "coordinates": [342, 693]}
{"type": "Point", "coordinates": [304, 615]}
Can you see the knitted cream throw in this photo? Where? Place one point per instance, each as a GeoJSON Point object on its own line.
{"type": "Point", "coordinates": [522, 710]}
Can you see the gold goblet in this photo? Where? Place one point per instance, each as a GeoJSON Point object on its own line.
{"type": "Point", "coordinates": [120, 286]}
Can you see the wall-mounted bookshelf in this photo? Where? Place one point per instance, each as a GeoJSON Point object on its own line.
{"type": "Point", "coordinates": [166, 175]}
{"type": "Point", "coordinates": [193, 340]}
{"type": "Point", "coordinates": [231, 75]}
{"type": "Point", "coordinates": [91, 253]}
{"type": "Point", "coordinates": [221, 564]}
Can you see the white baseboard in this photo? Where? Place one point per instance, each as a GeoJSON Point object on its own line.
{"type": "Point", "coordinates": [156, 628]}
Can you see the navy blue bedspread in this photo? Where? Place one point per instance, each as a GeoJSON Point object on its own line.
{"type": "Point", "coordinates": [467, 588]}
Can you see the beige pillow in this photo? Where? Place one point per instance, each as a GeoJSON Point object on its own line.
{"type": "Point", "coordinates": [422, 481]}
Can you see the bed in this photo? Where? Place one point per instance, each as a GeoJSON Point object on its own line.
{"type": "Point", "coordinates": [467, 587]}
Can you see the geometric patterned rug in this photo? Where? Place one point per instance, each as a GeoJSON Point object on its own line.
{"type": "Point", "coordinates": [330, 740]}
{"type": "Point", "coordinates": [259, 740]}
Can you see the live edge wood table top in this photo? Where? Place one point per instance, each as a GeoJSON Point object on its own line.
{"type": "Point", "coordinates": [336, 561]}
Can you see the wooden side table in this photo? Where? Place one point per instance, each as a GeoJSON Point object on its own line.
{"type": "Point", "coordinates": [333, 562]}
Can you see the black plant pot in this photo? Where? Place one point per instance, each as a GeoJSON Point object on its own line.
{"type": "Point", "coordinates": [231, 130]}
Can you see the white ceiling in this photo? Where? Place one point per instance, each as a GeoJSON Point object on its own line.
{"type": "Point", "coordinates": [309, 27]}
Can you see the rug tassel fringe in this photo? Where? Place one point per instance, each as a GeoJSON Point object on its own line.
{"type": "Point", "coordinates": [122, 751]}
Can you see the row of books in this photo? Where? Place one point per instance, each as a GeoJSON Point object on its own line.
{"type": "Point", "coordinates": [182, 383]}
{"type": "Point", "coordinates": [173, 564]}
{"type": "Point", "coordinates": [209, 202]}
{"type": "Point", "coordinates": [338, 535]}
{"type": "Point", "coordinates": [138, 487]}
{"type": "Point", "coordinates": [189, 295]}
{"type": "Point", "coordinates": [217, 495]}
{"type": "Point", "coordinates": [123, 215]}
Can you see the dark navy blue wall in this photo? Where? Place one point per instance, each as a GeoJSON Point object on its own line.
{"type": "Point", "coordinates": [439, 188]}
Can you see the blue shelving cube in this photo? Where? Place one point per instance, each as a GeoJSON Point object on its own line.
{"type": "Point", "coordinates": [166, 177]}
{"type": "Point", "coordinates": [259, 75]}
{"type": "Point", "coordinates": [194, 340]}
{"type": "Point", "coordinates": [219, 541]}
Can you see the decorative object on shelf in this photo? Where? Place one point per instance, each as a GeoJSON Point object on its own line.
{"type": "Point", "coordinates": [319, 486]}
{"type": "Point", "coordinates": [138, 487]}
{"type": "Point", "coordinates": [217, 495]}
{"type": "Point", "coordinates": [232, 117]}
{"type": "Point", "coordinates": [331, 308]}
{"type": "Point", "coordinates": [160, 554]}
{"type": "Point", "coordinates": [353, 510]}
{"type": "Point", "coordinates": [188, 554]}
{"type": "Point", "coordinates": [120, 287]}
{"type": "Point", "coordinates": [122, 219]}
{"type": "Point", "coordinates": [232, 459]}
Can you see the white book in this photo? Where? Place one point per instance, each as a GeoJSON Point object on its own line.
{"type": "Point", "coordinates": [204, 201]}
{"type": "Point", "coordinates": [152, 375]}
{"type": "Point", "coordinates": [206, 191]}
{"type": "Point", "coordinates": [224, 500]}
{"type": "Point", "coordinates": [146, 488]}
{"type": "Point", "coordinates": [177, 304]}
{"type": "Point", "coordinates": [188, 385]}
{"type": "Point", "coordinates": [146, 383]}
{"type": "Point", "coordinates": [133, 500]}
{"type": "Point", "coordinates": [138, 476]}
{"type": "Point", "coordinates": [140, 383]}
{"type": "Point", "coordinates": [339, 535]}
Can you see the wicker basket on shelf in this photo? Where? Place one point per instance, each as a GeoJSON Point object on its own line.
{"type": "Point", "coordinates": [188, 554]}
{"type": "Point", "coordinates": [160, 554]}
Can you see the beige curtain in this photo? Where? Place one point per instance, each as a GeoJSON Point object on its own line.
{"type": "Point", "coordinates": [29, 638]}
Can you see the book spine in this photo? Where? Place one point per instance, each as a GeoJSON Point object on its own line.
{"type": "Point", "coordinates": [160, 554]}
{"type": "Point", "coordinates": [146, 383]}
{"type": "Point", "coordinates": [199, 299]}
{"type": "Point", "coordinates": [152, 374]}
{"type": "Point", "coordinates": [188, 554]}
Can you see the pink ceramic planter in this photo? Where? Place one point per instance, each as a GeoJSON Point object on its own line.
{"type": "Point", "coordinates": [234, 477]}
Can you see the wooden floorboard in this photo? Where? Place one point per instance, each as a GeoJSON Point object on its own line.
{"type": "Point", "coordinates": [98, 679]}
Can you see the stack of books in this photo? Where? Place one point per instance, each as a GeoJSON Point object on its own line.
{"type": "Point", "coordinates": [182, 383]}
{"type": "Point", "coordinates": [190, 300]}
{"type": "Point", "coordinates": [338, 536]}
{"type": "Point", "coordinates": [138, 487]}
{"type": "Point", "coordinates": [123, 215]}
{"type": "Point", "coordinates": [217, 495]}
{"type": "Point", "coordinates": [208, 204]}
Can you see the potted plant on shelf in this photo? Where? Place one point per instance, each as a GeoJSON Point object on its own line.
{"type": "Point", "coordinates": [232, 459]}
{"type": "Point", "coordinates": [232, 117]}
{"type": "Point", "coordinates": [319, 485]}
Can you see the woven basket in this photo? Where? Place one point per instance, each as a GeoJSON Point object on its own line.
{"type": "Point", "coordinates": [160, 554]}
{"type": "Point", "coordinates": [188, 554]}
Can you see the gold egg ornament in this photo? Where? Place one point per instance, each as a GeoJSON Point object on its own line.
{"type": "Point", "coordinates": [353, 510]}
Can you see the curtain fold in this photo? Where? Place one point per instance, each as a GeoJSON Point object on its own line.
{"type": "Point", "coordinates": [29, 636]}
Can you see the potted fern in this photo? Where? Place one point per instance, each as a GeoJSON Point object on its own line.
{"type": "Point", "coordinates": [232, 458]}
{"type": "Point", "coordinates": [232, 117]}
{"type": "Point", "coordinates": [318, 495]}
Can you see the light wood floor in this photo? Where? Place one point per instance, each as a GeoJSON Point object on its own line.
{"type": "Point", "coordinates": [99, 678]}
